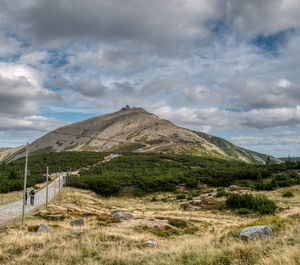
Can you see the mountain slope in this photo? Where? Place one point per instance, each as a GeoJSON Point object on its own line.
{"type": "Point", "coordinates": [134, 129]}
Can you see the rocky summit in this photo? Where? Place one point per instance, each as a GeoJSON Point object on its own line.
{"type": "Point", "coordinates": [135, 129]}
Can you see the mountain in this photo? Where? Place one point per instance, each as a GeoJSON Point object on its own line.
{"type": "Point", "coordinates": [134, 129]}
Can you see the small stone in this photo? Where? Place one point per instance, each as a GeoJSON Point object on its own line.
{"type": "Point", "coordinates": [117, 216]}
{"type": "Point", "coordinates": [44, 228]}
{"type": "Point", "coordinates": [128, 216]}
{"type": "Point", "coordinates": [160, 196]}
{"type": "Point", "coordinates": [196, 202]}
{"type": "Point", "coordinates": [115, 211]}
{"type": "Point", "coordinates": [151, 243]}
{"type": "Point", "coordinates": [233, 187]}
{"type": "Point", "coordinates": [258, 231]}
{"type": "Point", "coordinates": [79, 222]}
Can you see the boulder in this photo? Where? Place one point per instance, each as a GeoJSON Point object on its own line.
{"type": "Point", "coordinates": [233, 187]}
{"type": "Point", "coordinates": [79, 222]}
{"type": "Point", "coordinates": [196, 202]}
{"type": "Point", "coordinates": [151, 243]}
{"type": "Point", "coordinates": [258, 231]}
{"type": "Point", "coordinates": [44, 228]}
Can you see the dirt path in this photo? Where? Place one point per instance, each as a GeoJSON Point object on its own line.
{"type": "Point", "coordinates": [10, 211]}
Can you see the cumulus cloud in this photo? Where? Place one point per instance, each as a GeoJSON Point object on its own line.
{"type": "Point", "coordinates": [21, 92]}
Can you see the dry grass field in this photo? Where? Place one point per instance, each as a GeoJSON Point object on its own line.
{"type": "Point", "coordinates": [207, 236]}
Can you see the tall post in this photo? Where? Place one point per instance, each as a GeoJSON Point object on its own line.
{"type": "Point", "coordinates": [25, 180]}
{"type": "Point", "coordinates": [54, 182]}
{"type": "Point", "coordinates": [59, 186]}
{"type": "Point", "coordinates": [47, 187]}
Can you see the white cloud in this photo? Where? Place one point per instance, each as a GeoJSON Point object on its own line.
{"type": "Point", "coordinates": [220, 119]}
{"type": "Point", "coordinates": [21, 90]}
{"type": "Point", "coordinates": [34, 122]}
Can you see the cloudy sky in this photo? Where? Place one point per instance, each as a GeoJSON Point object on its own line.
{"type": "Point", "coordinates": [227, 67]}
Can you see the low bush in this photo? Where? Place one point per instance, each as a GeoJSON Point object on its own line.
{"type": "Point", "coordinates": [287, 194]}
{"type": "Point", "coordinates": [258, 203]}
{"type": "Point", "coordinates": [221, 193]}
{"type": "Point", "coordinates": [180, 197]}
{"type": "Point", "coordinates": [243, 211]}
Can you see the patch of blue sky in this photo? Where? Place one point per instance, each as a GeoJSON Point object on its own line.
{"type": "Point", "coordinates": [9, 58]}
{"type": "Point", "coordinates": [58, 58]}
{"type": "Point", "coordinates": [272, 43]}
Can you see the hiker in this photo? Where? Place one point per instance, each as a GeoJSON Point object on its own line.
{"type": "Point", "coordinates": [26, 196]}
{"type": "Point", "coordinates": [31, 194]}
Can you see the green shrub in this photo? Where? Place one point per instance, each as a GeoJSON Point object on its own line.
{"type": "Point", "coordinates": [178, 223]}
{"type": "Point", "coordinates": [243, 211]}
{"type": "Point", "coordinates": [180, 197]}
{"type": "Point", "coordinates": [259, 203]}
{"type": "Point", "coordinates": [287, 194]}
{"type": "Point", "coordinates": [221, 193]}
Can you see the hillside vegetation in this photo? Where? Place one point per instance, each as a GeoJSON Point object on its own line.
{"type": "Point", "coordinates": [144, 173]}
{"type": "Point", "coordinates": [12, 174]}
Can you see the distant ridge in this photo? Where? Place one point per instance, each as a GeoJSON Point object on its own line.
{"type": "Point", "coordinates": [135, 129]}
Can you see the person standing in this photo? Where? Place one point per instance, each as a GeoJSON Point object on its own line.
{"type": "Point", "coordinates": [31, 194]}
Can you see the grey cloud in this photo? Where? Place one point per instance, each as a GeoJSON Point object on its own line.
{"type": "Point", "coordinates": [152, 22]}
{"type": "Point", "coordinates": [264, 17]}
{"type": "Point", "coordinates": [88, 86]}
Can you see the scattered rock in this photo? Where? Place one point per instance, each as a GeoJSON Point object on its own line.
{"type": "Point", "coordinates": [160, 196]}
{"type": "Point", "coordinates": [233, 187]}
{"type": "Point", "coordinates": [128, 216]}
{"type": "Point", "coordinates": [79, 222]}
{"type": "Point", "coordinates": [258, 231]}
{"type": "Point", "coordinates": [196, 202]}
{"type": "Point", "coordinates": [117, 215]}
{"type": "Point", "coordinates": [151, 243]}
{"type": "Point", "coordinates": [185, 206]}
{"type": "Point", "coordinates": [44, 228]}
{"type": "Point", "coordinates": [115, 211]}
{"type": "Point", "coordinates": [55, 217]}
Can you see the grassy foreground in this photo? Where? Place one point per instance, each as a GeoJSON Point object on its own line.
{"type": "Point", "coordinates": [208, 236]}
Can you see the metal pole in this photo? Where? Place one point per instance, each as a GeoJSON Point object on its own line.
{"type": "Point", "coordinates": [54, 187]}
{"type": "Point", "coordinates": [47, 187]}
{"type": "Point", "coordinates": [25, 180]}
{"type": "Point", "coordinates": [59, 186]}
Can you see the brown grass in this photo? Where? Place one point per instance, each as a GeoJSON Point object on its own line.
{"type": "Point", "coordinates": [214, 241]}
